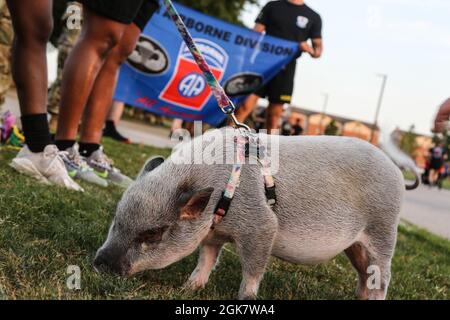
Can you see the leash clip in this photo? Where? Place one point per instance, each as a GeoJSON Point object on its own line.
{"type": "Point", "coordinates": [229, 111]}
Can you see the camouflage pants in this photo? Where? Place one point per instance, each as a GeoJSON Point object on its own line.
{"type": "Point", "coordinates": [6, 40]}
{"type": "Point", "coordinates": [66, 42]}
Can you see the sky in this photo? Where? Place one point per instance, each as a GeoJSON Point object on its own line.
{"type": "Point", "coordinates": [408, 40]}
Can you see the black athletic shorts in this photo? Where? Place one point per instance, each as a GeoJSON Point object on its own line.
{"type": "Point", "coordinates": [436, 164]}
{"type": "Point", "coordinates": [280, 88]}
{"type": "Point", "coordinates": [138, 12]}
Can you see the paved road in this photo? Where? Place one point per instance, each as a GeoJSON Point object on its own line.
{"type": "Point", "coordinates": [429, 209]}
{"type": "Point", "coordinates": [145, 134]}
{"type": "Point", "coordinates": [425, 207]}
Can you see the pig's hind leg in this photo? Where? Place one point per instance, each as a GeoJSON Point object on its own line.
{"type": "Point", "coordinates": [358, 256]}
{"type": "Point", "coordinates": [208, 257]}
{"type": "Point", "coordinates": [371, 257]}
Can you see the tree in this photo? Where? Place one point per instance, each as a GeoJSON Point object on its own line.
{"type": "Point", "coordinates": [229, 10]}
{"type": "Point", "coordinates": [408, 142]}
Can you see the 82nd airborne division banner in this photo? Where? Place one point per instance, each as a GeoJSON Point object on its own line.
{"type": "Point", "coordinates": [162, 77]}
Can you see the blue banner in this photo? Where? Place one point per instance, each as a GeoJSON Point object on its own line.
{"type": "Point", "coordinates": [161, 76]}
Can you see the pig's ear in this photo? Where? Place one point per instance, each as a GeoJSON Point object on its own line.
{"type": "Point", "coordinates": [194, 203]}
{"type": "Point", "coordinates": [151, 165]}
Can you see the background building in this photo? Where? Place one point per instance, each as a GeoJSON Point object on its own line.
{"type": "Point", "coordinates": [315, 123]}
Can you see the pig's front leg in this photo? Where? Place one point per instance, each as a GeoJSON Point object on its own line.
{"type": "Point", "coordinates": [255, 248]}
{"type": "Point", "coordinates": [209, 253]}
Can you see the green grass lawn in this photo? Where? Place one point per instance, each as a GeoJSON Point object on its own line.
{"type": "Point", "coordinates": [45, 229]}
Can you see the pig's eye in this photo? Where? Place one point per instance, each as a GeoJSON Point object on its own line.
{"type": "Point", "coordinates": [151, 236]}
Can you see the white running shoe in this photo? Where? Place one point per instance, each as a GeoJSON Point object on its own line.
{"type": "Point", "coordinates": [104, 168]}
{"type": "Point", "coordinates": [47, 167]}
{"type": "Point", "coordinates": [77, 167]}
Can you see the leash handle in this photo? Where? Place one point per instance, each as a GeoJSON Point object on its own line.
{"type": "Point", "coordinates": [222, 99]}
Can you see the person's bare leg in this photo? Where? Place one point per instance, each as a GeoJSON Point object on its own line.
{"type": "Point", "coordinates": [32, 21]}
{"type": "Point", "coordinates": [247, 107]}
{"type": "Point", "coordinates": [116, 111]}
{"type": "Point", "coordinates": [434, 175]}
{"type": "Point", "coordinates": [177, 125]}
{"type": "Point", "coordinates": [99, 36]}
{"type": "Point", "coordinates": [274, 113]}
{"type": "Point", "coordinates": [102, 94]}
{"type": "Point", "coordinates": [113, 118]}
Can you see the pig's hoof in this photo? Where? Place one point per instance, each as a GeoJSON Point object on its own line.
{"type": "Point", "coordinates": [194, 285]}
{"type": "Point", "coordinates": [247, 297]}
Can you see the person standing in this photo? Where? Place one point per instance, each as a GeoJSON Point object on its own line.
{"type": "Point", "coordinates": [286, 128]}
{"type": "Point", "coordinates": [291, 20]}
{"type": "Point", "coordinates": [437, 161]}
{"type": "Point", "coordinates": [65, 41]}
{"type": "Point", "coordinates": [110, 32]}
{"type": "Point", "coordinates": [297, 128]}
{"type": "Point", "coordinates": [39, 158]}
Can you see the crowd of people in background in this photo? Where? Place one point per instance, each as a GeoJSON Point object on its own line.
{"type": "Point", "coordinates": [437, 168]}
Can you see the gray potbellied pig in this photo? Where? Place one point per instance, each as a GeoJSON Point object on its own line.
{"type": "Point", "coordinates": [334, 194]}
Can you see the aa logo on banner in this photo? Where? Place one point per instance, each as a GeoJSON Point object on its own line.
{"type": "Point", "coordinates": [188, 88]}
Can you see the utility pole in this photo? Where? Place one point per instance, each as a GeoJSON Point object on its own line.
{"type": "Point", "coordinates": [324, 110]}
{"type": "Point", "coordinates": [380, 102]}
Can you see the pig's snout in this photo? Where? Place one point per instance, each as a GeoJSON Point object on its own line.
{"type": "Point", "coordinates": [111, 260]}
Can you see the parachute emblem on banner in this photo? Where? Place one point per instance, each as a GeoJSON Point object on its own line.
{"type": "Point", "coordinates": [149, 56]}
{"type": "Point", "coordinates": [243, 84]}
